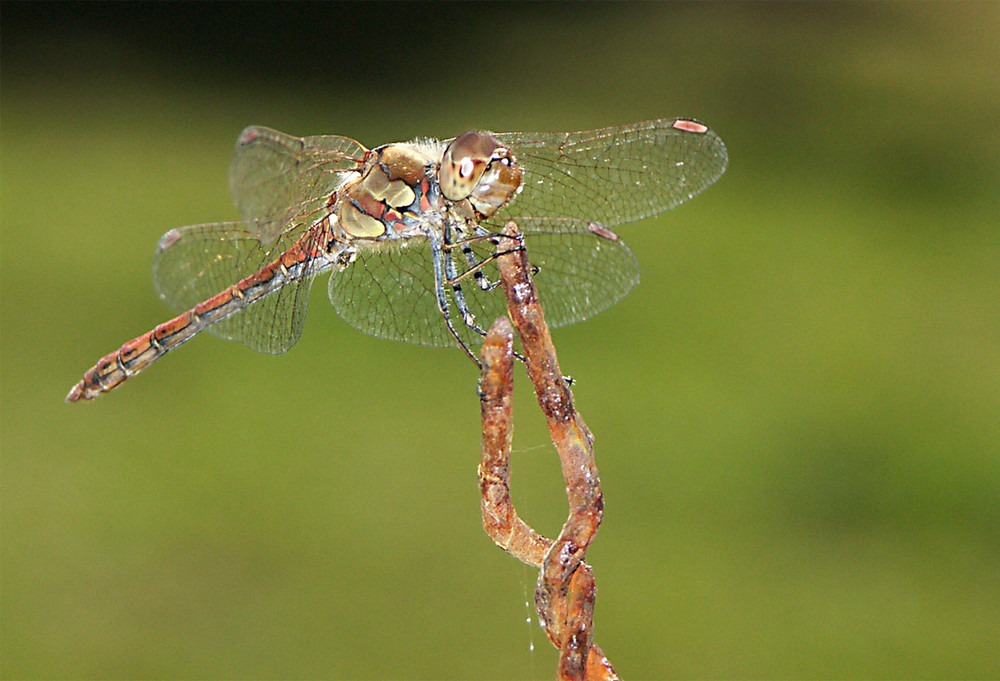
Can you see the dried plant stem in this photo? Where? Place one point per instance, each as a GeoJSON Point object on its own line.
{"type": "Point", "coordinates": [564, 597]}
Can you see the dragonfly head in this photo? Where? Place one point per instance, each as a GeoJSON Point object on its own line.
{"type": "Point", "coordinates": [477, 167]}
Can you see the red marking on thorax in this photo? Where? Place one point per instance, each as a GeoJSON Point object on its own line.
{"type": "Point", "coordinates": [425, 188]}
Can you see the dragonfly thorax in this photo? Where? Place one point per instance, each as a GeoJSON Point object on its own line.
{"type": "Point", "coordinates": [391, 194]}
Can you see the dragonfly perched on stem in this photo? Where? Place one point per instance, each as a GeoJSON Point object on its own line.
{"type": "Point", "coordinates": [410, 233]}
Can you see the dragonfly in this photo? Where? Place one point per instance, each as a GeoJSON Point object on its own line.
{"type": "Point", "coordinates": [410, 233]}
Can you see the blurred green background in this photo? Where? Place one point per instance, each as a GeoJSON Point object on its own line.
{"type": "Point", "coordinates": [797, 412]}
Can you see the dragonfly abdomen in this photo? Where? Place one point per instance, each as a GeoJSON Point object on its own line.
{"type": "Point", "coordinates": [137, 354]}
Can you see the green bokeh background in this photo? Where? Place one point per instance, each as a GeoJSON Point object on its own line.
{"type": "Point", "coordinates": [797, 412]}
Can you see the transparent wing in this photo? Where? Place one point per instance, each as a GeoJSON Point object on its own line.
{"type": "Point", "coordinates": [276, 178]}
{"type": "Point", "coordinates": [194, 263]}
{"type": "Point", "coordinates": [580, 272]}
{"type": "Point", "coordinates": [614, 175]}
{"type": "Point", "coordinates": [389, 291]}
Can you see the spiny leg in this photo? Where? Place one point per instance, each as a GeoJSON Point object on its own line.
{"type": "Point", "coordinates": [454, 280]}
{"type": "Point", "coordinates": [437, 255]}
{"type": "Point", "coordinates": [475, 264]}
{"type": "Point", "coordinates": [476, 269]}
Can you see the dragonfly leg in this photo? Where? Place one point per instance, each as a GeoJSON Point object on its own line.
{"type": "Point", "coordinates": [475, 264]}
{"type": "Point", "coordinates": [439, 255]}
{"type": "Point", "coordinates": [476, 267]}
{"type": "Point", "coordinates": [453, 279]}
{"type": "Point", "coordinates": [482, 281]}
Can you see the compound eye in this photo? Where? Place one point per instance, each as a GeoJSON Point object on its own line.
{"type": "Point", "coordinates": [498, 184]}
{"type": "Point", "coordinates": [464, 162]}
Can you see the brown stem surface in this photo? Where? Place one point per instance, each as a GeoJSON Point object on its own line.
{"type": "Point", "coordinates": [564, 597]}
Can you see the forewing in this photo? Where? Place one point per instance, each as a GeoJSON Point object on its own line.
{"type": "Point", "coordinates": [280, 182]}
{"type": "Point", "coordinates": [614, 175]}
{"type": "Point", "coordinates": [194, 263]}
